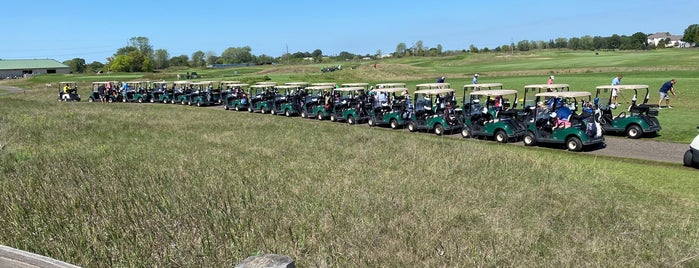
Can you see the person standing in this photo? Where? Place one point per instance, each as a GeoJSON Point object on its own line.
{"type": "Point", "coordinates": [475, 79]}
{"type": "Point", "coordinates": [615, 92]}
{"type": "Point", "coordinates": [441, 79]}
{"type": "Point", "coordinates": [550, 82]}
{"type": "Point", "coordinates": [668, 86]}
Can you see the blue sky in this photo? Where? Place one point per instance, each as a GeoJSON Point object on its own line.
{"type": "Point", "coordinates": [94, 30]}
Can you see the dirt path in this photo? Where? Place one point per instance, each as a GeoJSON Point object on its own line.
{"type": "Point", "coordinates": [10, 89]}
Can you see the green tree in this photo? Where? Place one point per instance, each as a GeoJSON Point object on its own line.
{"type": "Point", "coordinates": [400, 50]}
{"type": "Point", "coordinates": [198, 59]}
{"type": "Point", "coordinates": [317, 55]}
{"type": "Point", "coordinates": [418, 48]}
{"type": "Point", "coordinates": [691, 34]}
{"type": "Point", "coordinates": [95, 67]}
{"type": "Point", "coordinates": [236, 55]}
{"type": "Point", "coordinates": [181, 60]}
{"type": "Point", "coordinates": [211, 57]}
{"type": "Point", "coordinates": [473, 49]}
{"type": "Point", "coordinates": [77, 65]}
{"type": "Point", "coordinates": [639, 40]}
{"type": "Point", "coordinates": [162, 59]}
{"type": "Point", "coordinates": [142, 44]}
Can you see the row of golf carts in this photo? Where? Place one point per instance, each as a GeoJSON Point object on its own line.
{"type": "Point", "coordinates": [549, 114]}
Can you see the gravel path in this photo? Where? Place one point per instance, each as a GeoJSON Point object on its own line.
{"type": "Point", "coordinates": [10, 89]}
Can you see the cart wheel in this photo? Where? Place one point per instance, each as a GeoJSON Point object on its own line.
{"type": "Point", "coordinates": [371, 122]}
{"type": "Point", "coordinates": [394, 123]}
{"type": "Point", "coordinates": [466, 132]}
{"type": "Point", "coordinates": [634, 131]}
{"type": "Point", "coordinates": [501, 136]}
{"type": "Point", "coordinates": [350, 120]}
{"type": "Point", "coordinates": [529, 139]}
{"type": "Point", "coordinates": [411, 126]}
{"type": "Point", "coordinates": [439, 129]}
{"type": "Point", "coordinates": [287, 113]}
{"type": "Point", "coordinates": [688, 157]}
{"type": "Point", "coordinates": [574, 144]}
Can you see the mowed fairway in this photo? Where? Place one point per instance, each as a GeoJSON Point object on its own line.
{"type": "Point", "coordinates": [168, 185]}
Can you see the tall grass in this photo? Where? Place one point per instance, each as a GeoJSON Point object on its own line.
{"type": "Point", "coordinates": [167, 185]}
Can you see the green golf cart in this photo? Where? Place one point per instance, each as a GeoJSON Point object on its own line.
{"type": "Point", "coordinates": [262, 96]}
{"type": "Point", "coordinates": [236, 97]}
{"type": "Point", "coordinates": [434, 109]}
{"type": "Point", "coordinates": [393, 110]}
{"type": "Point", "coordinates": [558, 122]}
{"type": "Point", "coordinates": [635, 121]}
{"type": "Point", "coordinates": [314, 99]}
{"type": "Point", "coordinates": [489, 114]}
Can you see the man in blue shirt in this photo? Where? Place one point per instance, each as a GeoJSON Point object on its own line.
{"type": "Point", "coordinates": [475, 79]}
{"type": "Point", "coordinates": [615, 93]}
{"type": "Point", "coordinates": [668, 86]}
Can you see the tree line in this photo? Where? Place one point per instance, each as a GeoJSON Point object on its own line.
{"type": "Point", "coordinates": [139, 56]}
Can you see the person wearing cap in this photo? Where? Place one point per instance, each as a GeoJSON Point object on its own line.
{"type": "Point", "coordinates": [615, 93]}
{"type": "Point", "coordinates": [550, 82]}
{"type": "Point", "coordinates": [441, 79]}
{"type": "Point", "coordinates": [475, 79]}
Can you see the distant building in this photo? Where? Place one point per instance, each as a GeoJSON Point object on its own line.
{"type": "Point", "coordinates": [675, 40]}
{"type": "Point", "coordinates": [23, 68]}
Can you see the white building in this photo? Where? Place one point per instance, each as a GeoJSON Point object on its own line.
{"type": "Point", "coordinates": [674, 40]}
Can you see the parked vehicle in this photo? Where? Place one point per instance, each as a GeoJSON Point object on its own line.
{"type": "Point", "coordinates": [636, 120]}
{"type": "Point", "coordinates": [204, 94]}
{"type": "Point", "coordinates": [691, 156]}
{"type": "Point", "coordinates": [489, 114]}
{"type": "Point", "coordinates": [434, 109]}
{"type": "Point", "coordinates": [224, 89]}
{"type": "Point", "coordinates": [136, 91]}
{"type": "Point", "coordinates": [99, 92]}
{"type": "Point", "coordinates": [287, 100]}
{"type": "Point", "coordinates": [236, 97]}
{"type": "Point", "coordinates": [350, 104]}
{"type": "Point", "coordinates": [158, 92]}
{"type": "Point", "coordinates": [181, 91]}
{"type": "Point", "coordinates": [394, 111]}
{"type": "Point", "coordinates": [314, 99]}
{"type": "Point", "coordinates": [558, 122]}
{"type": "Point", "coordinates": [68, 91]}
{"type": "Point", "coordinates": [260, 96]}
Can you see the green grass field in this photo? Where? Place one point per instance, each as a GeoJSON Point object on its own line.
{"type": "Point", "coordinates": [133, 185]}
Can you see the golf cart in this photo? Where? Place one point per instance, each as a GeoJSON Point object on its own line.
{"type": "Point", "coordinates": [204, 94]}
{"type": "Point", "coordinates": [350, 104]}
{"type": "Point", "coordinates": [287, 101]}
{"type": "Point", "coordinates": [489, 114]}
{"type": "Point", "coordinates": [158, 92]}
{"type": "Point", "coordinates": [236, 98]}
{"type": "Point", "coordinates": [434, 109]}
{"type": "Point", "coordinates": [691, 156]}
{"type": "Point", "coordinates": [314, 99]}
{"type": "Point", "coordinates": [173, 93]}
{"type": "Point", "coordinates": [183, 91]}
{"type": "Point", "coordinates": [68, 91]}
{"type": "Point", "coordinates": [393, 111]}
{"type": "Point", "coordinates": [634, 122]}
{"type": "Point", "coordinates": [261, 97]}
{"type": "Point", "coordinates": [134, 92]}
{"type": "Point", "coordinates": [558, 122]}
{"type": "Point", "coordinates": [484, 86]}
{"type": "Point", "coordinates": [224, 89]}
{"type": "Point", "coordinates": [99, 92]}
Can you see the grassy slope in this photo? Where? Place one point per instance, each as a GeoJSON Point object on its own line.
{"type": "Point", "coordinates": [166, 185]}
